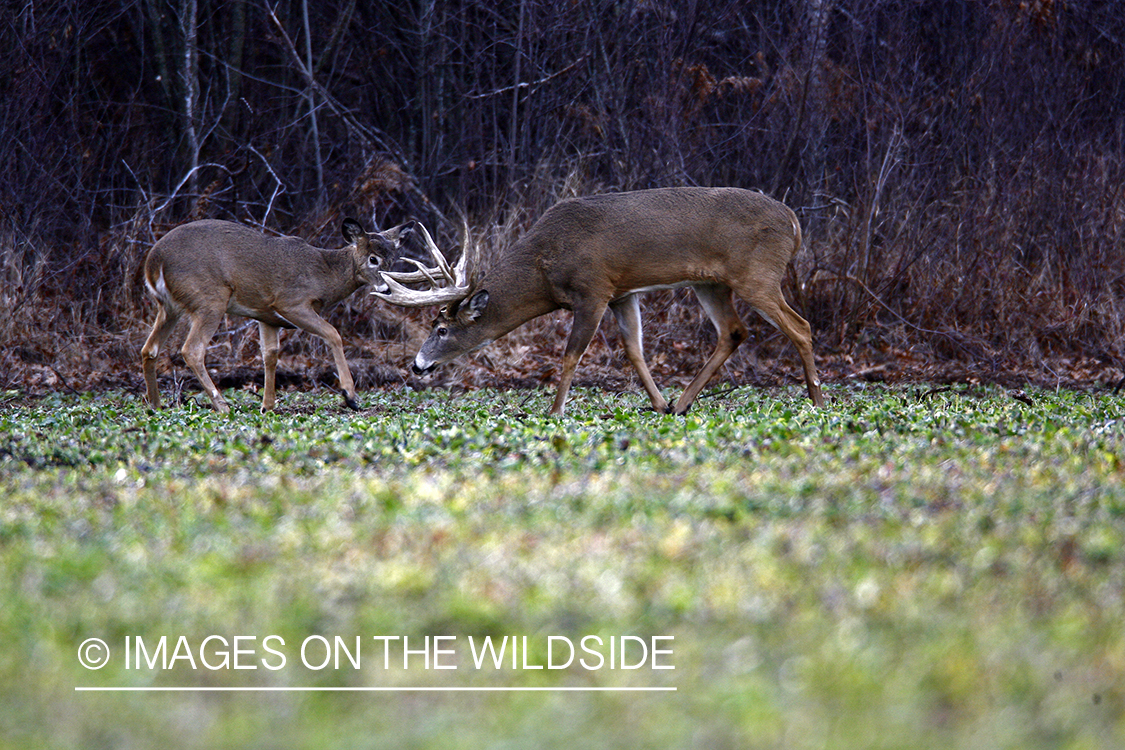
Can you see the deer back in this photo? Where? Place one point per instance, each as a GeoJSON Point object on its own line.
{"type": "Point", "coordinates": [611, 245]}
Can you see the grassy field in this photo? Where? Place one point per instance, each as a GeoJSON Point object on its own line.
{"type": "Point", "coordinates": [909, 567]}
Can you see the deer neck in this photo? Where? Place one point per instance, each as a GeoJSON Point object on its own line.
{"type": "Point", "coordinates": [518, 292]}
{"type": "Point", "coordinates": [341, 276]}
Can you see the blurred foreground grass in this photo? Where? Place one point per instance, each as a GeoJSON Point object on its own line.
{"type": "Point", "coordinates": [910, 567]}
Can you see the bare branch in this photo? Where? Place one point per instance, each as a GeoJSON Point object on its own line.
{"type": "Point", "coordinates": [529, 84]}
{"type": "Point", "coordinates": [365, 133]}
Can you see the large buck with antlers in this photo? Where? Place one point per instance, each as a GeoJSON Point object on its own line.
{"type": "Point", "coordinates": [209, 268]}
{"type": "Point", "coordinates": [587, 254]}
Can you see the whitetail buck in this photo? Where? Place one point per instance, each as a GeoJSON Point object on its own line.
{"type": "Point", "coordinates": [586, 254]}
{"type": "Point", "coordinates": [210, 268]}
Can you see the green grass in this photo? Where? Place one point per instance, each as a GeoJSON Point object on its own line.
{"type": "Point", "coordinates": [902, 569]}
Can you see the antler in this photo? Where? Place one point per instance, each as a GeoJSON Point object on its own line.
{"type": "Point", "coordinates": [456, 279]}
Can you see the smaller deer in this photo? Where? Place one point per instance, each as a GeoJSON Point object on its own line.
{"type": "Point", "coordinates": [210, 268]}
{"type": "Point", "coordinates": [602, 251]}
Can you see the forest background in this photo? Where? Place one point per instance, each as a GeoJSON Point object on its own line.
{"type": "Point", "coordinates": [958, 167]}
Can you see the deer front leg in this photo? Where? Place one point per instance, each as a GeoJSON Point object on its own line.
{"type": "Point", "coordinates": [582, 330]}
{"type": "Point", "coordinates": [268, 339]}
{"type": "Point", "coordinates": [307, 320]}
{"type": "Point", "coordinates": [627, 311]}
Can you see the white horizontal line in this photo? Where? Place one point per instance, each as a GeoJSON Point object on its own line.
{"type": "Point", "coordinates": [415, 689]}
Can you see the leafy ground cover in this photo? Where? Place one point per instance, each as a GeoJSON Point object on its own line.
{"type": "Point", "coordinates": [909, 567]}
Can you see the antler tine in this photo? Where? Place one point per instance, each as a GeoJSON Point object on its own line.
{"type": "Point", "coordinates": [424, 273]}
{"type": "Point", "coordinates": [470, 255]}
{"type": "Point", "coordinates": [442, 263]}
{"type": "Point", "coordinates": [415, 277]}
{"type": "Point", "coordinates": [404, 297]}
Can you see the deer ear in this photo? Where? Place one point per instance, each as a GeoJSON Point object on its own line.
{"type": "Point", "coordinates": [399, 233]}
{"type": "Point", "coordinates": [351, 230]}
{"type": "Point", "coordinates": [477, 303]}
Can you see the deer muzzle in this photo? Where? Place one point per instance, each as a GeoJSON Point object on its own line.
{"type": "Point", "coordinates": [422, 366]}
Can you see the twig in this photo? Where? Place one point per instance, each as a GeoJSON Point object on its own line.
{"type": "Point", "coordinates": [62, 379]}
{"type": "Point", "coordinates": [869, 371]}
{"type": "Point", "coordinates": [716, 394]}
{"type": "Point", "coordinates": [529, 84]}
{"type": "Point", "coordinates": [278, 189]}
{"type": "Point", "coordinates": [187, 177]}
{"type": "Point", "coordinates": [530, 392]}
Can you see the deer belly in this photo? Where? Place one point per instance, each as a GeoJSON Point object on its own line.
{"type": "Point", "coordinates": [266, 315]}
{"type": "Point", "coordinates": [655, 288]}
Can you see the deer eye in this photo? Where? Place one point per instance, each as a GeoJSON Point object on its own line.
{"type": "Point", "coordinates": [442, 330]}
{"type": "Point", "coordinates": [373, 260]}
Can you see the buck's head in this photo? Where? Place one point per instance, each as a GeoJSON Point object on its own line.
{"type": "Point", "coordinates": [456, 331]}
{"type": "Point", "coordinates": [458, 328]}
{"type": "Point", "coordinates": [374, 252]}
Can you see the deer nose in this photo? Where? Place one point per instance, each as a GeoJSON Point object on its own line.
{"type": "Point", "coordinates": [421, 366]}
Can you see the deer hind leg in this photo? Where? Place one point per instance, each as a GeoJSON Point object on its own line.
{"type": "Point", "coordinates": [307, 319]}
{"type": "Point", "coordinates": [777, 311]}
{"type": "Point", "coordinates": [204, 323]}
{"type": "Point", "coordinates": [717, 302]}
{"type": "Point", "coordinates": [627, 311]}
{"type": "Point", "coordinates": [166, 320]}
{"type": "Point", "coordinates": [582, 330]}
{"type": "Point", "coordinates": [268, 340]}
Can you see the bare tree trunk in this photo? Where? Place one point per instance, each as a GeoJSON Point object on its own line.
{"type": "Point", "coordinates": [310, 98]}
{"type": "Point", "coordinates": [513, 133]}
{"type": "Point", "coordinates": [426, 22]}
{"type": "Point", "coordinates": [237, 22]}
{"type": "Point", "coordinates": [817, 97]}
{"type": "Point", "coordinates": [189, 73]}
{"type": "Point", "coordinates": [156, 32]}
{"type": "Point", "coordinates": [232, 115]}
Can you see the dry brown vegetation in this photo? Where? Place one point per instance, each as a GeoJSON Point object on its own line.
{"type": "Point", "coordinates": [959, 168]}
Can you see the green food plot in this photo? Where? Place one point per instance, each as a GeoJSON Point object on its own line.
{"type": "Point", "coordinates": [909, 567]}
